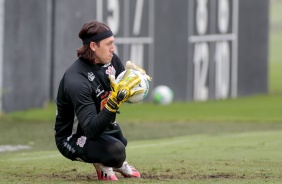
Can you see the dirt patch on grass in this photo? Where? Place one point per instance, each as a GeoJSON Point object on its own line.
{"type": "Point", "coordinates": [188, 176]}
{"type": "Point", "coordinates": [164, 176]}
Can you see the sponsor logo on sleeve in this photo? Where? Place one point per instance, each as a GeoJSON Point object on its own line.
{"type": "Point", "coordinates": [99, 91]}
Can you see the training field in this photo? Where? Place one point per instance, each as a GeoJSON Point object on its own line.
{"type": "Point", "coordinates": [233, 141]}
{"type": "Point", "coordinates": [227, 141]}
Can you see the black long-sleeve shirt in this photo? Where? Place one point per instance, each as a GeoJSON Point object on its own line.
{"type": "Point", "coordinates": [82, 94]}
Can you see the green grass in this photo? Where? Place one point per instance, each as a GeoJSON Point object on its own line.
{"type": "Point", "coordinates": [250, 109]}
{"type": "Point", "coordinates": [226, 141]}
{"type": "Point", "coordinates": [258, 108]}
{"type": "Point", "coordinates": [251, 157]}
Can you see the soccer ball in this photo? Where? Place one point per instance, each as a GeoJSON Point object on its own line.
{"type": "Point", "coordinates": [162, 95]}
{"type": "Point", "coordinates": [144, 84]}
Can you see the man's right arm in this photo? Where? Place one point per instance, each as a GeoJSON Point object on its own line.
{"type": "Point", "coordinates": [92, 122]}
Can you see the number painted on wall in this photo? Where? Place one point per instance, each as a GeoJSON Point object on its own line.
{"type": "Point", "coordinates": [213, 54]}
{"type": "Point", "coordinates": [201, 65]}
{"type": "Point", "coordinates": [127, 20]}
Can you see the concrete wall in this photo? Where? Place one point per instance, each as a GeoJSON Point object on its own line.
{"type": "Point", "coordinates": [202, 49]}
{"type": "Point", "coordinates": [25, 77]}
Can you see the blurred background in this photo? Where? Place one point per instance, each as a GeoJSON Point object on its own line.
{"type": "Point", "coordinates": [275, 55]}
{"type": "Point", "coordinates": [222, 60]}
{"type": "Point", "coordinates": [202, 50]}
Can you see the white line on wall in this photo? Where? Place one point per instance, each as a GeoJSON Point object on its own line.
{"type": "Point", "coordinates": [212, 38]}
{"type": "Point", "coordinates": [130, 40]}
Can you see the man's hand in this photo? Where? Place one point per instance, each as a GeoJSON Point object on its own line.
{"type": "Point", "coordinates": [122, 91]}
{"type": "Point", "coordinates": [131, 65]}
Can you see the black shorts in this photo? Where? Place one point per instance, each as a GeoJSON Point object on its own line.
{"type": "Point", "coordinates": [108, 149]}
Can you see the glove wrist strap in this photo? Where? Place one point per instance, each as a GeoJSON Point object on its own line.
{"type": "Point", "coordinates": [112, 105]}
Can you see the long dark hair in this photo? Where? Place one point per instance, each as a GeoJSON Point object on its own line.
{"type": "Point", "coordinates": [90, 29]}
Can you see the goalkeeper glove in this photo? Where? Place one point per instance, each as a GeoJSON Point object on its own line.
{"type": "Point", "coordinates": [122, 91]}
{"type": "Point", "coordinates": [131, 65]}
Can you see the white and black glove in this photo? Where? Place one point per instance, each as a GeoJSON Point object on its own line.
{"type": "Point", "coordinates": [133, 66]}
{"type": "Point", "coordinates": [122, 91]}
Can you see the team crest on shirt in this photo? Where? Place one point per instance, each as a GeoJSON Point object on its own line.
{"type": "Point", "coordinates": [111, 70]}
{"type": "Point", "coordinates": [91, 76]}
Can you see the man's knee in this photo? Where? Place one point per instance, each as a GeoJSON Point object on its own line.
{"type": "Point", "coordinates": [117, 156]}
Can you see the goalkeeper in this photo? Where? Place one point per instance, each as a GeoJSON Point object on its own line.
{"type": "Point", "coordinates": [87, 102]}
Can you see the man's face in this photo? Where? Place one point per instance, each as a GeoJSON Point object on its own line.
{"type": "Point", "coordinates": [103, 52]}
